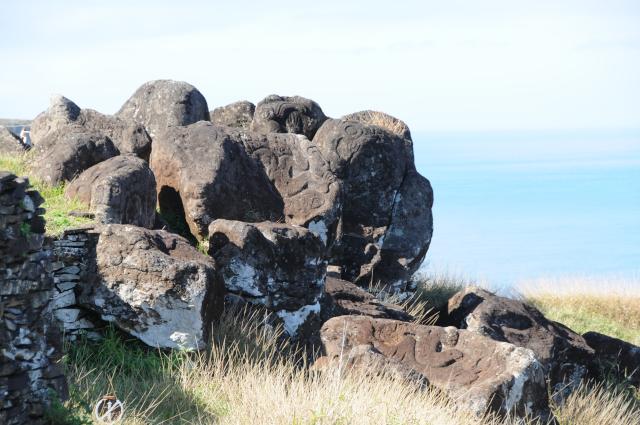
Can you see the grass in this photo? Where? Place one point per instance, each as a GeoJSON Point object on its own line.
{"type": "Point", "coordinates": [57, 206]}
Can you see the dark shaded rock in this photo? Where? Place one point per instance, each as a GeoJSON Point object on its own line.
{"type": "Point", "coordinates": [301, 176]}
{"type": "Point", "coordinates": [475, 371]}
{"type": "Point", "coordinates": [565, 355]}
{"type": "Point", "coordinates": [283, 114]}
{"type": "Point", "coordinates": [120, 190]}
{"type": "Point", "coordinates": [64, 117]}
{"type": "Point", "coordinates": [372, 165]}
{"type": "Point", "coordinates": [237, 114]}
{"type": "Point", "coordinates": [381, 119]}
{"type": "Point", "coordinates": [154, 285]}
{"type": "Point", "coordinates": [71, 154]}
{"type": "Point", "coordinates": [342, 298]}
{"type": "Point", "coordinates": [10, 144]}
{"type": "Point", "coordinates": [159, 104]}
{"type": "Point", "coordinates": [614, 353]}
{"type": "Point", "coordinates": [203, 173]}
{"type": "Point", "coordinates": [279, 266]}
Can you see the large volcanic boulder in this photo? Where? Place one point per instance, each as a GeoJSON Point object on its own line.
{"type": "Point", "coordinates": [301, 176]}
{"type": "Point", "coordinates": [342, 298]}
{"type": "Point", "coordinates": [276, 265]}
{"type": "Point", "coordinates": [564, 354]}
{"type": "Point", "coordinates": [10, 144]}
{"type": "Point", "coordinates": [64, 116]}
{"type": "Point", "coordinates": [385, 225]}
{"type": "Point", "coordinates": [616, 354]}
{"type": "Point", "coordinates": [204, 173]}
{"type": "Point", "coordinates": [120, 190]}
{"type": "Point", "coordinates": [162, 103]}
{"type": "Point", "coordinates": [70, 155]}
{"type": "Point", "coordinates": [475, 371]}
{"type": "Point", "coordinates": [283, 114]}
{"type": "Point", "coordinates": [237, 114]}
{"type": "Point", "coordinates": [154, 285]}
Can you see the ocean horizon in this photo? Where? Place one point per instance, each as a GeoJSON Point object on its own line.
{"type": "Point", "coordinates": [511, 207]}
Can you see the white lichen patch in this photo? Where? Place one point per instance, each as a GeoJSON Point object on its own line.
{"type": "Point", "coordinates": [294, 319]}
{"type": "Point", "coordinates": [243, 279]}
{"type": "Point", "coordinates": [319, 228]}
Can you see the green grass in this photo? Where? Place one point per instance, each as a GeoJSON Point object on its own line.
{"type": "Point", "coordinates": [56, 205]}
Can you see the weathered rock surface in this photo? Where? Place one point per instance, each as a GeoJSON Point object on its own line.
{"type": "Point", "coordinates": [342, 298]}
{"type": "Point", "coordinates": [204, 173]}
{"type": "Point", "coordinates": [237, 114]}
{"type": "Point", "coordinates": [10, 144]}
{"type": "Point", "coordinates": [155, 286]}
{"type": "Point", "coordinates": [279, 266]}
{"type": "Point", "coordinates": [70, 155]}
{"type": "Point", "coordinates": [161, 103]}
{"type": "Point", "coordinates": [283, 114]}
{"type": "Point", "coordinates": [382, 196]}
{"type": "Point", "coordinates": [309, 190]}
{"type": "Point", "coordinates": [480, 373]}
{"type": "Point", "coordinates": [381, 119]}
{"type": "Point", "coordinates": [120, 190]}
{"type": "Point", "coordinates": [64, 116]}
{"type": "Point", "coordinates": [565, 355]}
{"type": "Point", "coordinates": [623, 356]}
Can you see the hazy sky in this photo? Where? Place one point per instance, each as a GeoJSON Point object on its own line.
{"type": "Point", "coordinates": [439, 65]}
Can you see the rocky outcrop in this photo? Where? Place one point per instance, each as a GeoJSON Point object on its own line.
{"type": "Point", "coordinates": [155, 286]}
{"type": "Point", "coordinates": [159, 104]}
{"type": "Point", "coordinates": [64, 117]}
{"type": "Point", "coordinates": [10, 144]}
{"type": "Point", "coordinates": [278, 266]}
{"type": "Point", "coordinates": [237, 114]}
{"type": "Point", "coordinates": [70, 155]}
{"type": "Point", "coordinates": [120, 190]}
{"type": "Point", "coordinates": [283, 114]}
{"type": "Point", "coordinates": [203, 173]}
{"type": "Point", "coordinates": [614, 354]}
{"type": "Point", "coordinates": [564, 354]}
{"type": "Point", "coordinates": [382, 197]}
{"type": "Point", "coordinates": [342, 298]}
{"type": "Point", "coordinates": [30, 341]}
{"type": "Point", "coordinates": [302, 177]}
{"type": "Point", "coordinates": [475, 371]}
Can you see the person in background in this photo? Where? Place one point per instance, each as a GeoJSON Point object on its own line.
{"type": "Point", "coordinates": [25, 136]}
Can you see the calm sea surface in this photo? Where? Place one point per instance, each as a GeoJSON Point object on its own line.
{"type": "Point", "coordinates": [511, 207]}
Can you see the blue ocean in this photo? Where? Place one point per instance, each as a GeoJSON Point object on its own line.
{"type": "Point", "coordinates": [517, 206]}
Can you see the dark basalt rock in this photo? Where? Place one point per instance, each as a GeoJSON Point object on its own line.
{"type": "Point", "coordinates": [564, 354]}
{"type": "Point", "coordinates": [120, 190]}
{"type": "Point", "coordinates": [283, 114]}
{"type": "Point", "coordinates": [381, 119]}
{"type": "Point", "coordinates": [616, 354]}
{"type": "Point", "coordinates": [237, 114]}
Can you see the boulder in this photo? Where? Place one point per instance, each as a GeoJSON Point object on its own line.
{"type": "Point", "coordinates": [120, 190]}
{"type": "Point", "coordinates": [623, 356]}
{"type": "Point", "coordinates": [70, 155]}
{"type": "Point", "coordinates": [475, 371]}
{"type": "Point", "coordinates": [564, 354]}
{"type": "Point", "coordinates": [381, 119]}
{"type": "Point", "coordinates": [204, 173]}
{"type": "Point", "coordinates": [10, 144]}
{"type": "Point", "coordinates": [237, 114]}
{"type": "Point", "coordinates": [283, 114]}
{"type": "Point", "coordinates": [276, 265]}
{"type": "Point", "coordinates": [64, 116]}
{"type": "Point", "coordinates": [154, 285]}
{"type": "Point", "coordinates": [382, 196]}
{"type": "Point", "coordinates": [162, 103]}
{"type": "Point", "coordinates": [342, 298]}
{"type": "Point", "coordinates": [309, 190]}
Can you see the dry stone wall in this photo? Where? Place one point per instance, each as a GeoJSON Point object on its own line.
{"type": "Point", "coordinates": [30, 341]}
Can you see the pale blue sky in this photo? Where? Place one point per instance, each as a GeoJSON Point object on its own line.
{"type": "Point", "coordinates": [439, 65]}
